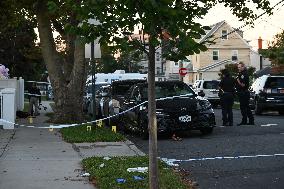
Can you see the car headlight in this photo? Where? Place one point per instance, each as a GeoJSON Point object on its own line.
{"type": "Point", "coordinates": [203, 105]}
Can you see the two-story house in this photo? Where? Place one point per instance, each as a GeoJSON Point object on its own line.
{"type": "Point", "coordinates": [229, 47]}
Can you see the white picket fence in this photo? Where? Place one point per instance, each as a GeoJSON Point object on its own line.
{"type": "Point", "coordinates": [8, 108]}
{"type": "Point", "coordinates": [12, 99]}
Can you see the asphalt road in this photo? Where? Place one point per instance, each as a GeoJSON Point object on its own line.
{"type": "Point", "coordinates": [265, 138]}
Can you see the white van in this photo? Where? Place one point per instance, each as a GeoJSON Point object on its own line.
{"type": "Point", "coordinates": [210, 88]}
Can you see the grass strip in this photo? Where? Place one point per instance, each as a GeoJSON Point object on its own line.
{"type": "Point", "coordinates": [104, 173]}
{"type": "Point", "coordinates": [79, 134]}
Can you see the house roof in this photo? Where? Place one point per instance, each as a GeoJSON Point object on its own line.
{"type": "Point", "coordinates": [210, 66]}
{"type": "Point", "coordinates": [216, 26]}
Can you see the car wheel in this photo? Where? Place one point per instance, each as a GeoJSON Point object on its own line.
{"type": "Point", "coordinates": [206, 131]}
{"type": "Point", "coordinates": [281, 112]}
{"type": "Point", "coordinates": [258, 109]}
{"type": "Point", "coordinates": [144, 131]}
{"type": "Point", "coordinates": [215, 105]}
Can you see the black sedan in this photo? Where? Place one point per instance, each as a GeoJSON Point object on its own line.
{"type": "Point", "coordinates": [177, 108]}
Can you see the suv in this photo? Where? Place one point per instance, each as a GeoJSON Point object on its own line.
{"type": "Point", "coordinates": [210, 89]}
{"type": "Point", "coordinates": [267, 93]}
{"type": "Point", "coordinates": [177, 108]}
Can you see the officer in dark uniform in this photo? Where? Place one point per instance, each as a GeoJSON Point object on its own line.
{"type": "Point", "coordinates": [226, 93]}
{"type": "Point", "coordinates": [34, 100]}
{"type": "Point", "coordinates": [242, 86]}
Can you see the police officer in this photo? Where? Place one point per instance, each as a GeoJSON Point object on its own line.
{"type": "Point", "coordinates": [242, 85]}
{"type": "Point", "coordinates": [34, 100]}
{"type": "Point", "coordinates": [227, 89]}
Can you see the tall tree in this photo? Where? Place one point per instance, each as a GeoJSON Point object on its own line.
{"type": "Point", "coordinates": [65, 61]}
{"type": "Point", "coordinates": [129, 60]}
{"type": "Point", "coordinates": [275, 51]}
{"type": "Point", "coordinates": [172, 20]}
{"type": "Point", "coordinates": [18, 49]}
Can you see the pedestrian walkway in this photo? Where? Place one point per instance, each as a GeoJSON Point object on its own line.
{"type": "Point", "coordinates": [33, 158]}
{"type": "Point", "coordinates": [38, 158]}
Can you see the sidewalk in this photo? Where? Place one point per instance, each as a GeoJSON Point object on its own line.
{"type": "Point", "coordinates": [32, 158]}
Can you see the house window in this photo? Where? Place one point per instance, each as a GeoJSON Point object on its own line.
{"type": "Point", "coordinates": [234, 55]}
{"type": "Point", "coordinates": [176, 64]}
{"type": "Point", "coordinates": [224, 34]}
{"type": "Point", "coordinates": [215, 55]}
{"type": "Point", "coordinates": [158, 56]}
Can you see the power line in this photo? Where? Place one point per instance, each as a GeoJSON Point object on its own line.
{"type": "Point", "coordinates": [237, 29]}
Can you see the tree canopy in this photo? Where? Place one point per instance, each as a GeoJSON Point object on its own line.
{"type": "Point", "coordinates": [275, 50]}
{"type": "Point", "coordinates": [18, 49]}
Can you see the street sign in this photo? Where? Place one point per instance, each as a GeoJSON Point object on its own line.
{"type": "Point", "coordinates": [182, 71]}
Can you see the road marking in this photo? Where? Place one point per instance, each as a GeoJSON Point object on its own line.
{"type": "Point", "coordinates": [171, 161]}
{"type": "Point", "coordinates": [269, 124]}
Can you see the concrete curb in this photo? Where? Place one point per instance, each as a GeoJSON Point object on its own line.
{"type": "Point", "coordinates": [132, 146]}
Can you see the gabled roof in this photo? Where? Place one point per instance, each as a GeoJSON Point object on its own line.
{"type": "Point", "coordinates": [210, 66]}
{"type": "Point", "coordinates": [216, 26]}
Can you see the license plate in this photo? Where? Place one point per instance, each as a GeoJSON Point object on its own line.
{"type": "Point", "coordinates": [185, 118]}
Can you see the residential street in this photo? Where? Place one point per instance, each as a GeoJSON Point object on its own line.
{"type": "Point", "coordinates": [250, 172]}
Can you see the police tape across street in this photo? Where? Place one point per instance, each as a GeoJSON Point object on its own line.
{"type": "Point", "coordinates": [103, 119]}
{"type": "Point", "coordinates": [89, 122]}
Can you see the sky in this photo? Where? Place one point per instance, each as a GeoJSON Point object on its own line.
{"type": "Point", "coordinates": [265, 27]}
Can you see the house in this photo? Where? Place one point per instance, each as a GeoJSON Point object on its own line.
{"type": "Point", "coordinates": [229, 48]}
{"type": "Point", "coordinates": [144, 61]}
{"type": "Point", "coordinates": [171, 68]}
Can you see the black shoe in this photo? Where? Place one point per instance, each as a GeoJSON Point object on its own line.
{"type": "Point", "coordinates": [242, 123]}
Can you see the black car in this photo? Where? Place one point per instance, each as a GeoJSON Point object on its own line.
{"type": "Point", "coordinates": [177, 108]}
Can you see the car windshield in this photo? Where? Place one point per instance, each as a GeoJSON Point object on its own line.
{"type": "Point", "coordinates": [121, 89]}
{"type": "Point", "coordinates": [211, 85]}
{"type": "Point", "coordinates": [97, 87]}
{"type": "Point", "coordinates": [168, 90]}
{"type": "Point", "coordinates": [275, 82]}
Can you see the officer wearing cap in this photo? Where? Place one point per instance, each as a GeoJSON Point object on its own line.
{"type": "Point", "coordinates": [242, 86]}
{"type": "Point", "coordinates": [226, 93]}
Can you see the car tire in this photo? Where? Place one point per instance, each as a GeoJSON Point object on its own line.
{"type": "Point", "coordinates": [144, 131]}
{"type": "Point", "coordinates": [206, 131]}
{"type": "Point", "coordinates": [258, 109]}
{"type": "Point", "coordinates": [214, 105]}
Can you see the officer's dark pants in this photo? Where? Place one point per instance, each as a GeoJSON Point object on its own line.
{"type": "Point", "coordinates": [227, 101]}
{"type": "Point", "coordinates": [244, 106]}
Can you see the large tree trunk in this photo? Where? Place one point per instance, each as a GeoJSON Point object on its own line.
{"type": "Point", "coordinates": [67, 88]}
{"type": "Point", "coordinates": [153, 162]}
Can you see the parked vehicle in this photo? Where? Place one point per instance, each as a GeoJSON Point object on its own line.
{"type": "Point", "coordinates": [111, 102]}
{"type": "Point", "coordinates": [177, 108]}
{"type": "Point", "coordinates": [116, 76]}
{"type": "Point", "coordinates": [209, 89]}
{"type": "Point", "coordinates": [267, 93]}
{"type": "Point", "coordinates": [101, 91]}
